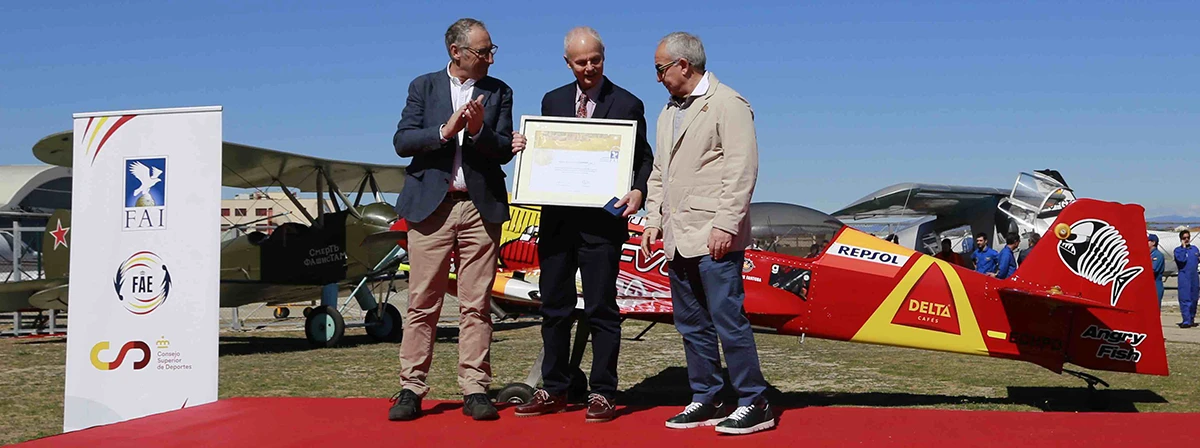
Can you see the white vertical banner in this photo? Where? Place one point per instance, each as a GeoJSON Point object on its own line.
{"type": "Point", "coordinates": [145, 255]}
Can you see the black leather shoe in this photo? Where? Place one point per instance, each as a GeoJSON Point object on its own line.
{"type": "Point", "coordinates": [406, 405]}
{"type": "Point", "coordinates": [479, 407]}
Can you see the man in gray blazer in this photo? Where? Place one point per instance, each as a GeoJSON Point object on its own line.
{"type": "Point", "coordinates": [457, 128]}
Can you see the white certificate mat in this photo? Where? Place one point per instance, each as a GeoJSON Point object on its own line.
{"type": "Point", "coordinates": [574, 161]}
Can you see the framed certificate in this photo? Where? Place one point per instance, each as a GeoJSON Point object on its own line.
{"type": "Point", "coordinates": [583, 162]}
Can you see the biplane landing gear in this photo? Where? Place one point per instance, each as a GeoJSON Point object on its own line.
{"type": "Point", "coordinates": [577, 391]}
{"type": "Point", "coordinates": [1096, 400]}
{"type": "Point", "coordinates": [387, 326]}
{"type": "Point", "coordinates": [516, 393]}
{"type": "Point", "coordinates": [282, 312]}
{"type": "Point", "coordinates": [324, 326]}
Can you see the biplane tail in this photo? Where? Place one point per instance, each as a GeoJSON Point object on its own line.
{"type": "Point", "coordinates": [1095, 257]}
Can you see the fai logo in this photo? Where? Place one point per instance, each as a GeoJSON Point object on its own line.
{"type": "Point", "coordinates": [142, 283]}
{"type": "Point", "coordinates": [1096, 251]}
{"type": "Point", "coordinates": [145, 193]}
{"type": "Point", "coordinates": [125, 349]}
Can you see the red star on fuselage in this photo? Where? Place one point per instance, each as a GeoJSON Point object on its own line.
{"type": "Point", "coordinates": [60, 235]}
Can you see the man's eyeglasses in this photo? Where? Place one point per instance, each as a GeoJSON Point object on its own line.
{"type": "Point", "coordinates": [662, 68]}
{"type": "Point", "coordinates": [483, 52]}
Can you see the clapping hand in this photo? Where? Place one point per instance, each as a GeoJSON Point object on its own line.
{"type": "Point", "coordinates": [474, 114]}
{"type": "Point", "coordinates": [456, 123]}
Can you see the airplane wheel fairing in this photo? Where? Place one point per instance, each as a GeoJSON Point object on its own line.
{"type": "Point", "coordinates": [388, 328]}
{"type": "Point", "coordinates": [282, 312]}
{"type": "Point", "coordinates": [324, 327]}
{"type": "Point", "coordinates": [515, 393]}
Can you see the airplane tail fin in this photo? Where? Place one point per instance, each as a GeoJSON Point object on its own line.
{"type": "Point", "coordinates": [56, 253]}
{"type": "Point", "coordinates": [1095, 258]}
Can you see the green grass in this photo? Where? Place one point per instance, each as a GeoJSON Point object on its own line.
{"type": "Point", "coordinates": [815, 373]}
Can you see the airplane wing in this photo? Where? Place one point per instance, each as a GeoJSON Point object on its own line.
{"type": "Point", "coordinates": [917, 199]}
{"type": "Point", "coordinates": [246, 166]}
{"type": "Point", "coordinates": [19, 295]}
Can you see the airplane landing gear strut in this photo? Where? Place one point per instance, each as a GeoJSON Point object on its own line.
{"type": "Point", "coordinates": [521, 393]}
{"type": "Point", "coordinates": [1096, 400]}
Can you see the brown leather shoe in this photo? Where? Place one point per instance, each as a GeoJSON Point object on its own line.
{"type": "Point", "coordinates": [543, 403]}
{"type": "Point", "coordinates": [600, 409]}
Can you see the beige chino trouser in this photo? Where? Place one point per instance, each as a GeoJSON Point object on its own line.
{"type": "Point", "coordinates": [455, 225]}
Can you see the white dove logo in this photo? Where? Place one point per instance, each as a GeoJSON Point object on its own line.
{"type": "Point", "coordinates": [148, 177]}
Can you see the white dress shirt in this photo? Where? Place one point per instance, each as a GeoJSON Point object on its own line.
{"type": "Point", "coordinates": [460, 93]}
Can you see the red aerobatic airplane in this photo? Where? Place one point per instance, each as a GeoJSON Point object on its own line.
{"type": "Point", "coordinates": [1085, 294]}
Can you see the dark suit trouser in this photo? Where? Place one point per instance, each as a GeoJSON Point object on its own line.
{"type": "Point", "coordinates": [598, 265]}
{"type": "Point", "coordinates": [707, 296]}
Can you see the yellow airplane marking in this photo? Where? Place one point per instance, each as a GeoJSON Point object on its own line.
{"type": "Point", "coordinates": [879, 328]}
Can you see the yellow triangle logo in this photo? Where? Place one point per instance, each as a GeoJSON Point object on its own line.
{"type": "Point", "coordinates": [879, 328]}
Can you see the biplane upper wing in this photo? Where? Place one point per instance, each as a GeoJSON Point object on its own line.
{"type": "Point", "coordinates": [906, 199]}
{"type": "Point", "coordinates": [246, 166]}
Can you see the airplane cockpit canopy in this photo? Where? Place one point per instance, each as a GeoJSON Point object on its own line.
{"type": "Point", "coordinates": [789, 228]}
{"type": "Point", "coordinates": [1036, 199]}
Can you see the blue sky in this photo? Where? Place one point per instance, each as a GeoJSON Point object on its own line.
{"type": "Point", "coordinates": [849, 96]}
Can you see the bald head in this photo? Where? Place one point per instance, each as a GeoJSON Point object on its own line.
{"type": "Point", "coordinates": [583, 37]}
{"type": "Point", "coordinates": [584, 52]}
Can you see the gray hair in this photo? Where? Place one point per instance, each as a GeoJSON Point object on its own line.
{"type": "Point", "coordinates": [681, 45]}
{"type": "Point", "coordinates": [458, 31]}
{"type": "Point", "coordinates": [585, 31]}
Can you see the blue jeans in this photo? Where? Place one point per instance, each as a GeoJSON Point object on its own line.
{"type": "Point", "coordinates": [707, 296]}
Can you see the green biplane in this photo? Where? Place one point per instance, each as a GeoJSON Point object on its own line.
{"type": "Point", "coordinates": [295, 262]}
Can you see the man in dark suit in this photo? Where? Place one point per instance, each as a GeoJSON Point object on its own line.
{"type": "Point", "coordinates": [587, 239]}
{"type": "Point", "coordinates": [457, 128]}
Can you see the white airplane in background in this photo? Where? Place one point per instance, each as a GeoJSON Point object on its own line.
{"type": "Point", "coordinates": [922, 215]}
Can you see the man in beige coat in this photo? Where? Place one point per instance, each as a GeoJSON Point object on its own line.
{"type": "Point", "coordinates": [699, 198]}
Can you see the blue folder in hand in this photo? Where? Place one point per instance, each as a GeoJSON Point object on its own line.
{"type": "Point", "coordinates": [611, 207]}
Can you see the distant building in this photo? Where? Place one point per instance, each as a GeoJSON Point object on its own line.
{"type": "Point", "coordinates": [263, 211]}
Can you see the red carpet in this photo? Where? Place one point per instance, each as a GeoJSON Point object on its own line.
{"type": "Point", "coordinates": [266, 422]}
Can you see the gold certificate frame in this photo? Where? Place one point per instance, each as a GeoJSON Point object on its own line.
{"type": "Point", "coordinates": [582, 162]}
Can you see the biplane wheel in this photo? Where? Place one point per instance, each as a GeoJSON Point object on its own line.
{"type": "Point", "coordinates": [307, 311]}
{"type": "Point", "coordinates": [516, 393]}
{"type": "Point", "coordinates": [282, 312]}
{"type": "Point", "coordinates": [386, 328]}
{"type": "Point", "coordinates": [324, 327]}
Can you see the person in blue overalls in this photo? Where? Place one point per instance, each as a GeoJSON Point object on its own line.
{"type": "Point", "coordinates": [1158, 263]}
{"type": "Point", "coordinates": [1007, 261]}
{"type": "Point", "coordinates": [1186, 257]}
{"type": "Point", "coordinates": [984, 256]}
